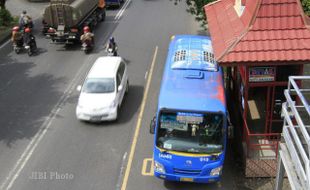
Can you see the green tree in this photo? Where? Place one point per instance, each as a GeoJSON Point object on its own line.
{"type": "Point", "coordinates": [306, 6]}
{"type": "Point", "coordinates": [195, 7]}
{"type": "Point", "coordinates": [2, 4]}
{"type": "Point", "coordinates": [5, 17]}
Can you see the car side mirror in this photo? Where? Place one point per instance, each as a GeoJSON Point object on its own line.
{"type": "Point", "coordinates": [152, 125]}
{"type": "Point", "coordinates": [120, 88]}
{"type": "Point", "coordinates": [79, 88]}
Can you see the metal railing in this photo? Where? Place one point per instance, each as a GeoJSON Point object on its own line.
{"type": "Point", "coordinates": [268, 141]}
{"type": "Point", "coordinates": [295, 146]}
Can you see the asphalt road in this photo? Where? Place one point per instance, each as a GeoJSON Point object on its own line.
{"type": "Point", "coordinates": [42, 144]}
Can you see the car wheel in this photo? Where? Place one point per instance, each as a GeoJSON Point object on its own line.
{"type": "Point", "coordinates": [127, 87]}
{"type": "Point", "coordinates": [117, 114]}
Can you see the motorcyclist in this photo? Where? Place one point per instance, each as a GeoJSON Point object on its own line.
{"type": "Point", "coordinates": [29, 38]}
{"type": "Point", "coordinates": [87, 37]}
{"type": "Point", "coordinates": [25, 20]}
{"type": "Point", "coordinates": [17, 36]}
{"type": "Point", "coordinates": [111, 45]}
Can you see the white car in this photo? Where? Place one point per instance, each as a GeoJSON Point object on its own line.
{"type": "Point", "coordinates": [103, 90]}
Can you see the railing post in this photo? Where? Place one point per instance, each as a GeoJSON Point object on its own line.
{"type": "Point", "coordinates": [280, 175]}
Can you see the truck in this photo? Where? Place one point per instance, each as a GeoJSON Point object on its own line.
{"type": "Point", "coordinates": [63, 20]}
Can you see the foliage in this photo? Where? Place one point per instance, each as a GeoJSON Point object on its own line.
{"type": "Point", "coordinates": [5, 17]}
{"type": "Point", "coordinates": [195, 7]}
{"type": "Point", "coordinates": [306, 6]}
{"type": "Point", "coordinates": [2, 4]}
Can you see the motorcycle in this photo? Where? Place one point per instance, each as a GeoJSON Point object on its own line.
{"type": "Point", "coordinates": [87, 46]}
{"type": "Point", "coordinates": [112, 52]}
{"type": "Point", "coordinates": [18, 46]}
{"type": "Point", "coordinates": [31, 47]}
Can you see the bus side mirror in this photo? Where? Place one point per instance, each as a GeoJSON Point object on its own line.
{"type": "Point", "coordinates": [152, 125]}
{"type": "Point", "coordinates": [230, 131]}
{"type": "Point", "coordinates": [230, 128]}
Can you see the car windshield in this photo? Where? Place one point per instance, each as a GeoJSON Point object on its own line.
{"type": "Point", "coordinates": [99, 85]}
{"type": "Point", "coordinates": [191, 132]}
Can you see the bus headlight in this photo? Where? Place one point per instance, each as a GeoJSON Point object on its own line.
{"type": "Point", "coordinates": [216, 171]}
{"type": "Point", "coordinates": [159, 167]}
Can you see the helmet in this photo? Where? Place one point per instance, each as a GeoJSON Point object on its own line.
{"type": "Point", "coordinates": [86, 29]}
{"type": "Point", "coordinates": [24, 12]}
{"type": "Point", "coordinates": [15, 28]}
{"type": "Point", "coordinates": [111, 39]}
{"type": "Point", "coordinates": [27, 30]}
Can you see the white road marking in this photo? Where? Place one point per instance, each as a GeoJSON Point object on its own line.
{"type": "Point", "coordinates": [122, 10]}
{"type": "Point", "coordinates": [146, 73]}
{"type": "Point", "coordinates": [121, 171]}
{"type": "Point", "coordinates": [22, 161]}
{"type": "Point", "coordinates": [4, 44]}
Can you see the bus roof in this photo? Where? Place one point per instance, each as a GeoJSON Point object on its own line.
{"type": "Point", "coordinates": [192, 80]}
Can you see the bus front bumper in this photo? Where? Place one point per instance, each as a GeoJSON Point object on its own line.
{"type": "Point", "coordinates": [193, 179]}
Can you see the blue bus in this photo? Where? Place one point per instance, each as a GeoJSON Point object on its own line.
{"type": "Point", "coordinates": [190, 126]}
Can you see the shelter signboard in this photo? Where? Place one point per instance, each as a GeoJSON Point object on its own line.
{"type": "Point", "coordinates": [262, 74]}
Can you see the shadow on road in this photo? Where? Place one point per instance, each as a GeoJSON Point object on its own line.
{"type": "Point", "coordinates": [25, 101]}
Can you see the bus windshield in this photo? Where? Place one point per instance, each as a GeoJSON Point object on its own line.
{"type": "Point", "coordinates": [191, 132]}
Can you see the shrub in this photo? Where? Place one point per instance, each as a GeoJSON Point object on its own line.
{"type": "Point", "coordinates": [306, 6]}
{"type": "Point", "coordinates": [5, 17]}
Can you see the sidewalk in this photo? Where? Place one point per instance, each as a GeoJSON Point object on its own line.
{"type": "Point", "coordinates": [258, 183]}
{"type": "Point", "coordinates": [34, 9]}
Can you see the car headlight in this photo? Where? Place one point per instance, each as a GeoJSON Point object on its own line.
{"type": "Point", "coordinates": [216, 171]}
{"type": "Point", "coordinates": [80, 107]}
{"type": "Point", "coordinates": [159, 167]}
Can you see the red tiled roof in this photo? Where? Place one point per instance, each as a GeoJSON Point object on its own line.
{"type": "Point", "coordinates": [267, 31]}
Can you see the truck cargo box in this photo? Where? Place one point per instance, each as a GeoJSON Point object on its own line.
{"type": "Point", "coordinates": [68, 12]}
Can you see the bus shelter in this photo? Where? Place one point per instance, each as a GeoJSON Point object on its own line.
{"type": "Point", "coordinates": [260, 43]}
